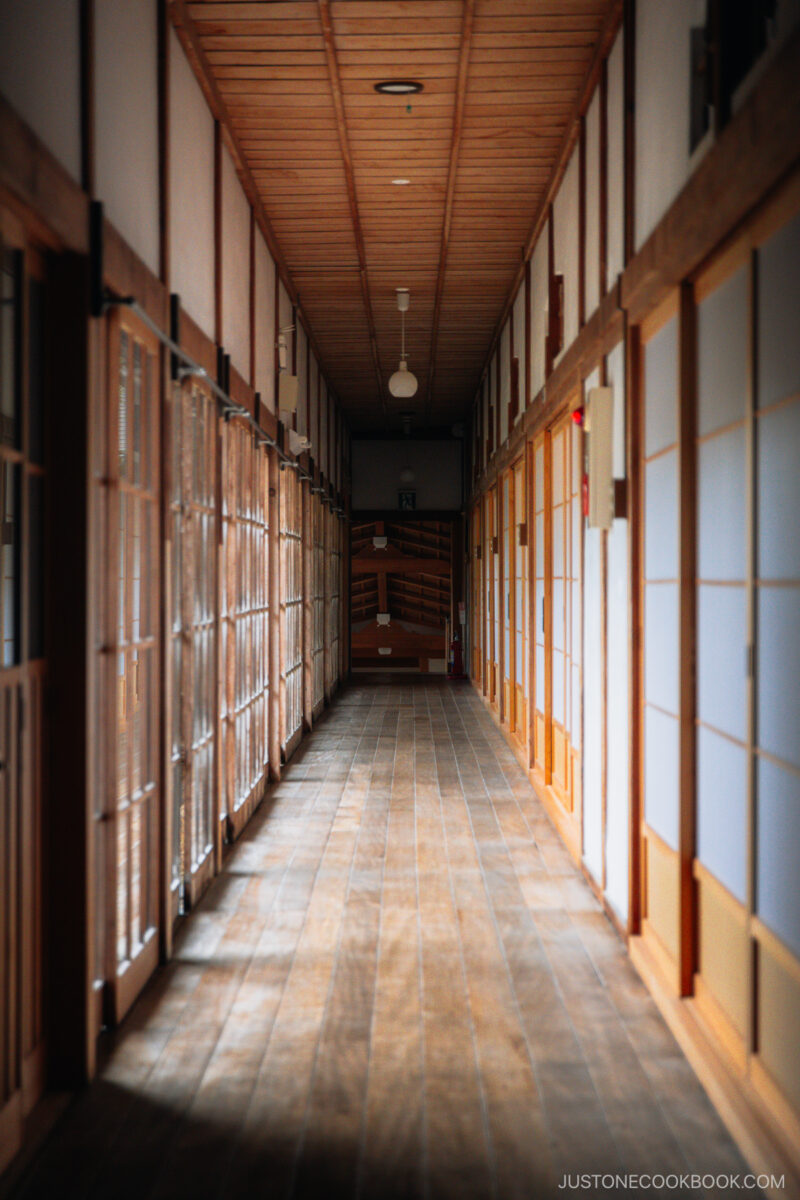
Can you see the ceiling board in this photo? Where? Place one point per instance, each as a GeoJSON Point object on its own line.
{"type": "Point", "coordinates": [480, 144]}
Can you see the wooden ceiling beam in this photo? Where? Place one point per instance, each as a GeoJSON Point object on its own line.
{"type": "Point", "coordinates": [324, 9]}
{"type": "Point", "coordinates": [465, 45]}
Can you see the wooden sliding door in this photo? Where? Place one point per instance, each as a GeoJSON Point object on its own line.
{"type": "Point", "coordinates": [558, 559]}
{"type": "Point", "coordinates": [319, 517]}
{"type": "Point", "coordinates": [23, 673]}
{"type": "Point", "coordinates": [519, 532]}
{"type": "Point", "coordinates": [291, 608]}
{"type": "Point", "coordinates": [128, 817]}
{"type": "Point", "coordinates": [192, 550]}
{"type": "Point", "coordinates": [244, 650]}
{"type": "Point", "coordinates": [507, 613]}
{"type": "Point", "coordinates": [476, 614]}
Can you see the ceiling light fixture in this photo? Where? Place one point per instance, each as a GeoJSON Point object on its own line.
{"type": "Point", "coordinates": [401, 182]}
{"type": "Point", "coordinates": [398, 87]}
{"type": "Point", "coordinates": [403, 384]}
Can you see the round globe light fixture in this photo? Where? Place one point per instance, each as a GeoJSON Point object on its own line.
{"type": "Point", "coordinates": [403, 384]}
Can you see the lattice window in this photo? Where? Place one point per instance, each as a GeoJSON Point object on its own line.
{"type": "Point", "coordinates": [245, 619]}
{"type": "Point", "coordinates": [292, 601]}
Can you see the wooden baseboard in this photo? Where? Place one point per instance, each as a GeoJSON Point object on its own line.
{"type": "Point", "coordinates": [763, 1143]}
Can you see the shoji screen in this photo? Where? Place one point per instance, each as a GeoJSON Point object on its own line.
{"type": "Point", "coordinates": [520, 604]}
{"type": "Point", "coordinates": [567, 550]}
{"type": "Point", "coordinates": [291, 604]}
{"type": "Point", "coordinates": [538, 699]}
{"type": "Point", "coordinates": [776, 600]}
{"type": "Point", "coordinates": [661, 651]}
{"type": "Point", "coordinates": [507, 595]}
{"type": "Point", "coordinates": [319, 517]}
{"type": "Point", "coordinates": [193, 635]}
{"type": "Point", "coordinates": [617, 846]}
{"type": "Point", "coordinates": [476, 614]}
{"type": "Point", "coordinates": [488, 596]}
{"type": "Point", "coordinates": [333, 599]}
{"type": "Point", "coordinates": [593, 682]}
{"type": "Point", "coordinates": [130, 691]}
{"type": "Point", "coordinates": [23, 682]}
{"type": "Point", "coordinates": [245, 624]}
{"type": "Point", "coordinates": [722, 636]}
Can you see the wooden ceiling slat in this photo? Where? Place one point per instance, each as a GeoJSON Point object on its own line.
{"type": "Point", "coordinates": [296, 79]}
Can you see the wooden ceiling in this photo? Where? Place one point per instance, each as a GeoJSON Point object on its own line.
{"type": "Point", "coordinates": [293, 81]}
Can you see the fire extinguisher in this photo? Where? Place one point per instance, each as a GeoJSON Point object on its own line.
{"type": "Point", "coordinates": [456, 670]}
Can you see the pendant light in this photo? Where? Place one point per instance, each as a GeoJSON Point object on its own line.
{"type": "Point", "coordinates": [403, 384]}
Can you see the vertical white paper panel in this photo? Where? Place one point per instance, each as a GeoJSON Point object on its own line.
{"type": "Point", "coordinates": [565, 229]}
{"type": "Point", "coordinates": [661, 517]}
{"type": "Point", "coordinates": [662, 106]}
{"type": "Point", "coordinates": [617, 765]}
{"type": "Point", "coordinates": [722, 810]}
{"type": "Point", "coordinates": [721, 658]}
{"type": "Point", "coordinates": [508, 566]}
{"type": "Point", "coordinates": [538, 477]}
{"type": "Point", "coordinates": [40, 72]}
{"type": "Point", "coordinates": [558, 539]}
{"type": "Point", "coordinates": [126, 121]}
{"type": "Point", "coordinates": [235, 268]}
{"type": "Point", "coordinates": [539, 303]}
{"type": "Point", "coordinates": [615, 179]}
{"type": "Point", "coordinates": [722, 342]}
{"type": "Point", "coordinates": [721, 506]}
{"type": "Point", "coordinates": [615, 373]}
{"type": "Point", "coordinates": [520, 334]}
{"type": "Point", "coordinates": [575, 700]}
{"type": "Point", "coordinates": [592, 705]}
{"type": "Point", "coordinates": [191, 191]}
{"type": "Point", "coordinates": [778, 435]}
{"type": "Point", "coordinates": [313, 384]}
{"type": "Point", "coordinates": [558, 614]}
{"type": "Point", "coordinates": [559, 696]}
{"type": "Point", "coordinates": [661, 807]}
{"type": "Point", "coordinates": [576, 521]}
{"type": "Point", "coordinates": [661, 645]}
{"type": "Point", "coordinates": [592, 263]}
{"type": "Point", "coordinates": [302, 380]}
{"type": "Point", "coordinates": [778, 673]}
{"type": "Point", "coordinates": [539, 600]}
{"type": "Point", "coordinates": [661, 389]}
{"type": "Point", "coordinates": [778, 306]}
{"type": "Point", "coordinates": [777, 892]}
{"type": "Point", "coordinates": [505, 379]}
{"type": "Point", "coordinates": [265, 322]}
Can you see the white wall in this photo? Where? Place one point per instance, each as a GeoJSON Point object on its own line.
{"type": "Point", "coordinates": [313, 385]}
{"type": "Point", "coordinates": [436, 466]}
{"type": "Point", "coordinates": [505, 379]}
{"type": "Point", "coordinates": [126, 121]}
{"type": "Point", "coordinates": [235, 268]}
{"type": "Point", "coordinates": [40, 72]}
{"type": "Point", "coordinates": [615, 180]}
{"type": "Point", "coordinates": [565, 243]}
{"type": "Point", "coordinates": [592, 261]}
{"type": "Point", "coordinates": [539, 307]}
{"type": "Point", "coordinates": [191, 191]}
{"type": "Point", "coordinates": [662, 106]}
{"type": "Point", "coordinates": [265, 322]}
{"type": "Point", "coordinates": [520, 333]}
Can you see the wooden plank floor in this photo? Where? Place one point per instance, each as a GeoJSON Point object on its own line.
{"type": "Point", "coordinates": [399, 987]}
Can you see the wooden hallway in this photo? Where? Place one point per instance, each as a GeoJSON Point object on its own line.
{"type": "Point", "coordinates": [399, 986]}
